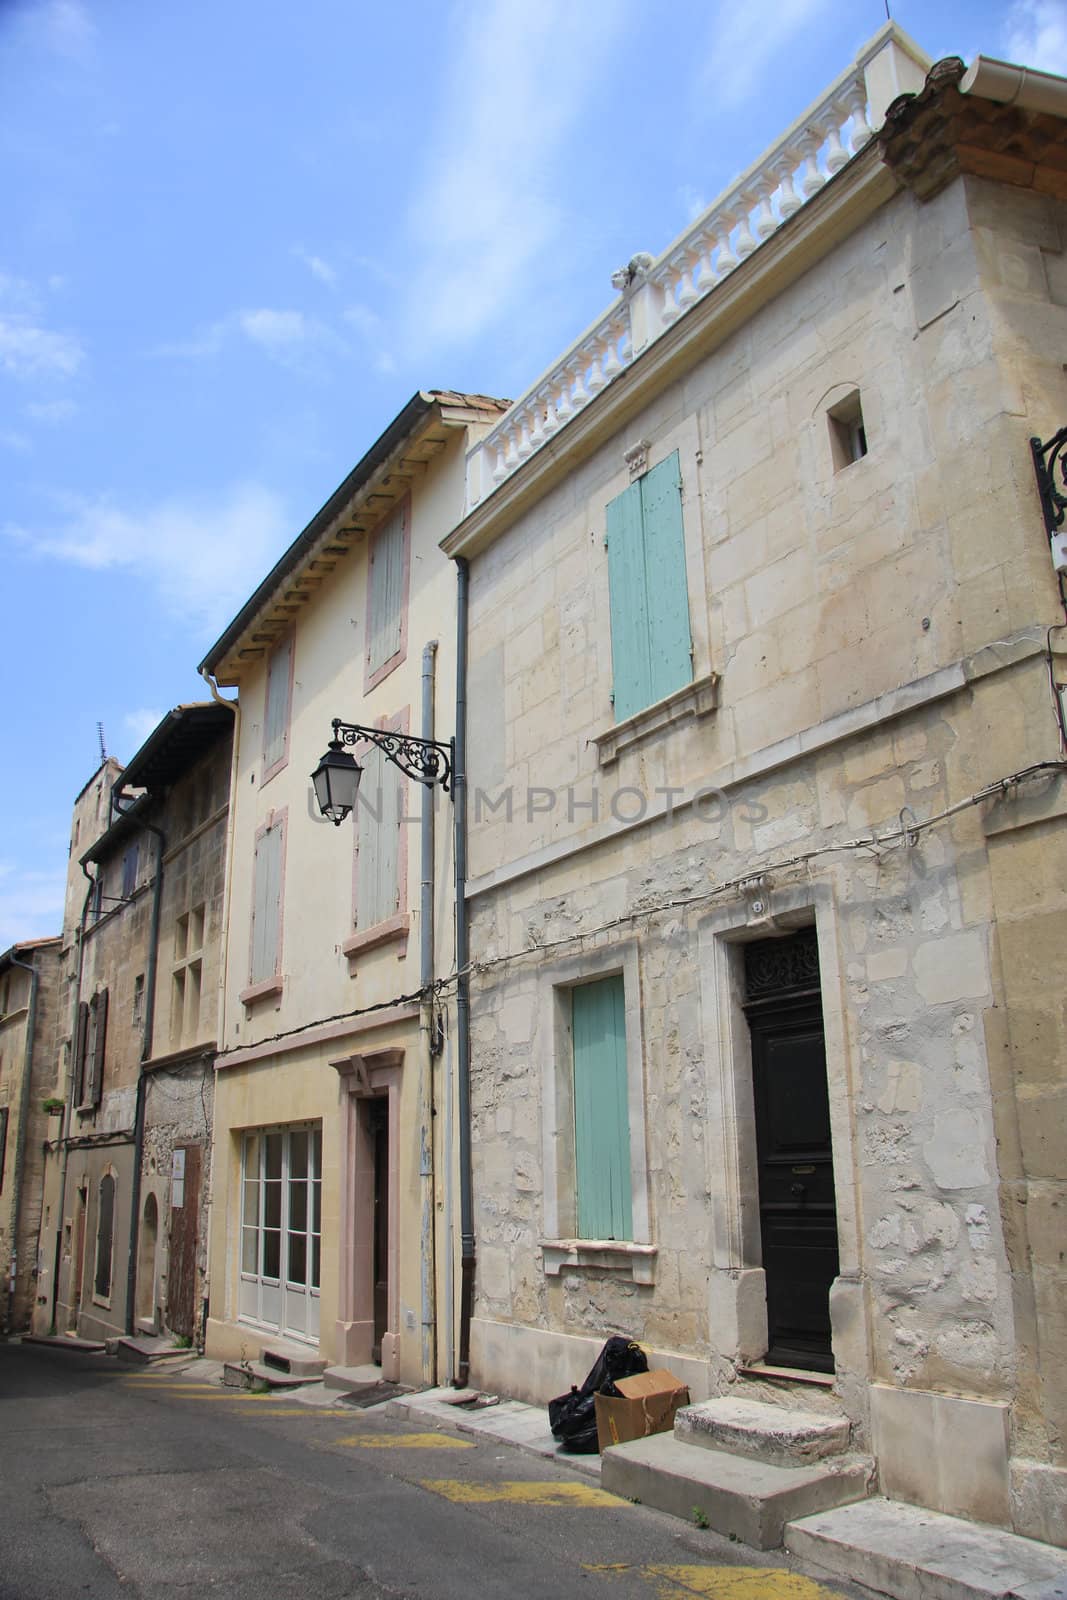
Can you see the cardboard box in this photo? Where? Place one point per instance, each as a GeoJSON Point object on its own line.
{"type": "Point", "coordinates": [645, 1404]}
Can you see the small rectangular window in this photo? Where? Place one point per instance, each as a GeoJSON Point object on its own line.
{"type": "Point", "coordinates": [277, 710]}
{"type": "Point", "coordinates": [3, 1143]}
{"type": "Point", "coordinates": [601, 1111]}
{"type": "Point", "coordinates": [387, 596]}
{"type": "Point", "coordinates": [130, 863]}
{"type": "Point", "coordinates": [848, 435]}
{"type": "Point", "coordinates": [138, 1000]}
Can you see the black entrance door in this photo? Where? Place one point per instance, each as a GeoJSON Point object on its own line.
{"type": "Point", "coordinates": [798, 1218]}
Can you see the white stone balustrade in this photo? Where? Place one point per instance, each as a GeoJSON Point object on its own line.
{"type": "Point", "coordinates": [751, 211]}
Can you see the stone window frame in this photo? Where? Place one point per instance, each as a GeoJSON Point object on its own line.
{"type": "Point", "coordinates": [560, 1247]}
{"type": "Point", "coordinates": [737, 1294]}
{"type": "Point", "coordinates": [700, 697]}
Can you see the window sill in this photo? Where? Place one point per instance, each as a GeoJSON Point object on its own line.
{"type": "Point", "coordinates": [270, 987]}
{"type": "Point", "coordinates": [638, 1261]}
{"type": "Point", "coordinates": [697, 699]}
{"type": "Point", "coordinates": [393, 929]}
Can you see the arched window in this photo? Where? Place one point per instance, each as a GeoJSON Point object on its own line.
{"type": "Point", "coordinates": [105, 1232]}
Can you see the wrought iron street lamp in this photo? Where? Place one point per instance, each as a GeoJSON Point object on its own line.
{"type": "Point", "coordinates": [336, 778]}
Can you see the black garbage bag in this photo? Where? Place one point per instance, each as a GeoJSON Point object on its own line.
{"type": "Point", "coordinates": [572, 1417]}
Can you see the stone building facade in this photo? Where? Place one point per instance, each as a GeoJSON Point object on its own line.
{"type": "Point", "coordinates": [143, 972]}
{"type": "Point", "coordinates": [29, 997]}
{"type": "Point", "coordinates": [332, 1230]}
{"type": "Point", "coordinates": [768, 849]}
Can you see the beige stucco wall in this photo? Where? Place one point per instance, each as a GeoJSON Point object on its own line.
{"type": "Point", "coordinates": [291, 1080]}
{"type": "Point", "coordinates": [880, 634]}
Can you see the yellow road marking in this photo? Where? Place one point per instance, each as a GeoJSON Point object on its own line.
{"type": "Point", "coordinates": [406, 1441]}
{"type": "Point", "coordinates": [527, 1494]}
{"type": "Point", "coordinates": [734, 1583]}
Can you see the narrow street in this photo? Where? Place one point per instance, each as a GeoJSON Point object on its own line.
{"type": "Point", "coordinates": [135, 1482]}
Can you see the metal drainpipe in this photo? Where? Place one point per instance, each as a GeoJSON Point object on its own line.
{"type": "Point", "coordinates": [20, 1138]}
{"type": "Point", "coordinates": [68, 1115]}
{"type": "Point", "coordinates": [463, 1033]}
{"type": "Point", "coordinates": [151, 968]}
{"type": "Point", "coordinates": [233, 706]}
{"type": "Point", "coordinates": [426, 973]}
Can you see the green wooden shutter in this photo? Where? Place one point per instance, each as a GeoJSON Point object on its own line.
{"type": "Point", "coordinates": [99, 1045]}
{"type": "Point", "coordinates": [670, 642]}
{"type": "Point", "coordinates": [601, 1114]}
{"type": "Point", "coordinates": [650, 639]}
{"type": "Point", "coordinates": [630, 666]}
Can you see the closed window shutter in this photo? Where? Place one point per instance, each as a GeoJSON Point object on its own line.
{"type": "Point", "coordinates": [386, 593]}
{"type": "Point", "coordinates": [378, 836]}
{"type": "Point", "coordinates": [81, 1044]}
{"type": "Point", "coordinates": [267, 904]}
{"type": "Point", "coordinates": [3, 1143]}
{"type": "Point", "coordinates": [670, 642]}
{"type": "Point", "coordinates": [99, 1044]}
{"type": "Point", "coordinates": [601, 1111]}
{"type": "Point", "coordinates": [651, 645]}
{"type": "Point", "coordinates": [276, 716]}
{"type": "Point", "coordinates": [630, 666]}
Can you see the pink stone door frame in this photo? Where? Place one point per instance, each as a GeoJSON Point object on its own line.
{"type": "Point", "coordinates": [364, 1078]}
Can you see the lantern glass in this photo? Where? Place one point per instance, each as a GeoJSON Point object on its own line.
{"type": "Point", "coordinates": [336, 781]}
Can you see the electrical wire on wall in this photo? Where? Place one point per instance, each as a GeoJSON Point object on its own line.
{"type": "Point", "coordinates": [902, 837]}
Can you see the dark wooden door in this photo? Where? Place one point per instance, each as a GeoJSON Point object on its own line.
{"type": "Point", "coordinates": [181, 1272]}
{"type": "Point", "coordinates": [379, 1127]}
{"type": "Point", "coordinates": [798, 1215]}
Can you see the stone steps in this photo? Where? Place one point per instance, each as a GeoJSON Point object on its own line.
{"type": "Point", "coordinates": [914, 1554]}
{"type": "Point", "coordinates": [775, 1434]}
{"type": "Point", "coordinates": [733, 1494]}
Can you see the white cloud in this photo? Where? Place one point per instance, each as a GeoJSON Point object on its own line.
{"type": "Point", "coordinates": [28, 349]}
{"type": "Point", "coordinates": [288, 337]}
{"type": "Point", "coordinates": [485, 209]}
{"type": "Point", "coordinates": [51, 410]}
{"type": "Point", "coordinates": [31, 903]}
{"type": "Point", "coordinates": [11, 439]}
{"type": "Point", "coordinates": [1035, 35]}
{"type": "Point", "coordinates": [276, 330]}
{"type": "Point", "coordinates": [202, 557]}
{"type": "Point", "coordinates": [316, 266]}
{"type": "Point", "coordinates": [744, 39]}
{"type": "Point", "coordinates": [139, 724]}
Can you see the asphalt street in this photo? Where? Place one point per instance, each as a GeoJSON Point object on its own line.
{"type": "Point", "coordinates": [131, 1483]}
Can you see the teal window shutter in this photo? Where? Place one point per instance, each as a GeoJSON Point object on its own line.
{"type": "Point", "coordinates": [651, 645]}
{"type": "Point", "coordinates": [601, 1112]}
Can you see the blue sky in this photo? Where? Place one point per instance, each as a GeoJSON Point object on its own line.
{"type": "Point", "coordinates": [236, 237]}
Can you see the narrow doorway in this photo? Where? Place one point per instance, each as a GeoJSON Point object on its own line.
{"type": "Point", "coordinates": [798, 1215]}
{"type": "Point", "coordinates": [77, 1260]}
{"type": "Point", "coordinates": [378, 1119]}
{"type": "Point", "coordinates": [146, 1267]}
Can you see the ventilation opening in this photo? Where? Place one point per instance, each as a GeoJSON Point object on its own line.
{"type": "Point", "coordinates": [848, 436]}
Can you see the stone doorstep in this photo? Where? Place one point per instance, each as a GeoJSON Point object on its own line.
{"type": "Point", "coordinates": [350, 1379]}
{"type": "Point", "coordinates": [290, 1363]}
{"type": "Point", "coordinates": [783, 1437]}
{"type": "Point", "coordinates": [914, 1554]}
{"type": "Point", "coordinates": [151, 1348]}
{"type": "Point", "coordinates": [744, 1499]}
{"type": "Point", "coordinates": [255, 1376]}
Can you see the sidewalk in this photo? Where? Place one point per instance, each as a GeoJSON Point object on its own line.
{"type": "Point", "coordinates": [507, 1421]}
